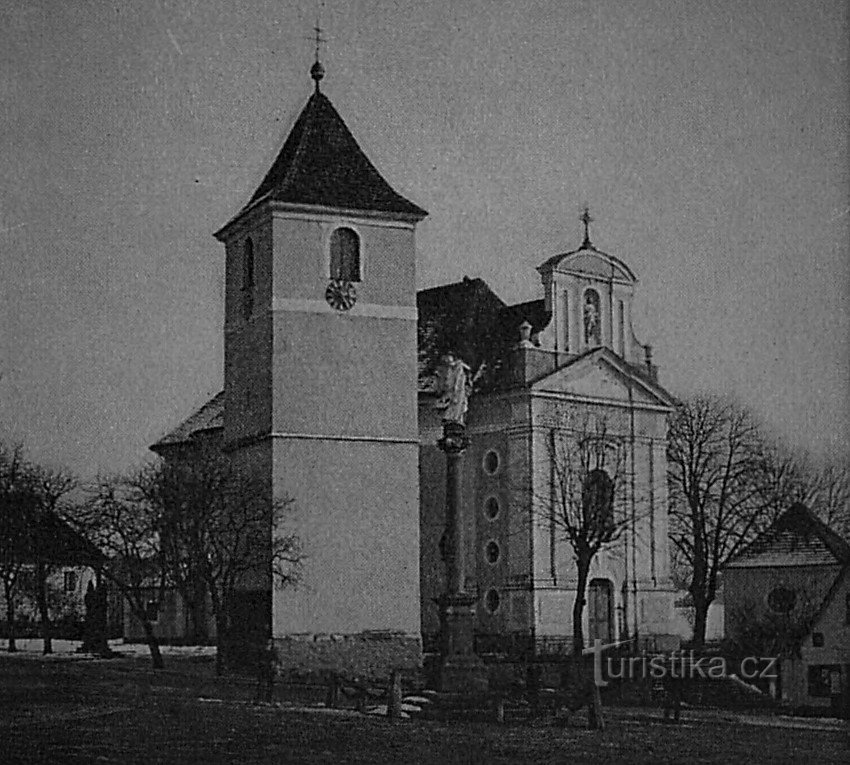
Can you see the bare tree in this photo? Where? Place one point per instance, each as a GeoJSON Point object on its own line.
{"type": "Point", "coordinates": [587, 506]}
{"type": "Point", "coordinates": [119, 522]}
{"type": "Point", "coordinates": [820, 484]}
{"type": "Point", "coordinates": [16, 500]}
{"type": "Point", "coordinates": [829, 496]}
{"type": "Point", "coordinates": [50, 489]}
{"type": "Point", "coordinates": [717, 499]}
{"type": "Point", "coordinates": [221, 529]}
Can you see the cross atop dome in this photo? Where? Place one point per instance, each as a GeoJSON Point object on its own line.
{"type": "Point", "coordinates": [587, 220]}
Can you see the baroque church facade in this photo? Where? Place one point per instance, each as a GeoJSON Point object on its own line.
{"type": "Point", "coordinates": [552, 374]}
{"type": "Point", "coordinates": [332, 367]}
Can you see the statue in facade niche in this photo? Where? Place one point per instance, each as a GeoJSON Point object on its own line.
{"type": "Point", "coordinates": [456, 389]}
{"type": "Point", "coordinates": [591, 318]}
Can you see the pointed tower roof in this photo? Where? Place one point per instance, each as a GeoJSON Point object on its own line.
{"type": "Point", "coordinates": [321, 164]}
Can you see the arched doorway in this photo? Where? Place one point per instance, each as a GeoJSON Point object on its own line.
{"type": "Point", "coordinates": [600, 611]}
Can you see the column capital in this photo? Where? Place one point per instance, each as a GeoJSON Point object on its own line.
{"type": "Point", "coordinates": [454, 440]}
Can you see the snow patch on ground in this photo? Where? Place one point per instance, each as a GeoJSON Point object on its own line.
{"type": "Point", "coordinates": [68, 649]}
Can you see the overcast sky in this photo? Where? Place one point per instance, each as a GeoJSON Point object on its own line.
{"type": "Point", "coordinates": [709, 139]}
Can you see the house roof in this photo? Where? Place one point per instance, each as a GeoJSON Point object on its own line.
{"type": "Point", "coordinates": [797, 538]}
{"type": "Point", "coordinates": [51, 538]}
{"type": "Point", "coordinates": [321, 164]}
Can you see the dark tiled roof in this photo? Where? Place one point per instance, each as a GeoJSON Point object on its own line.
{"type": "Point", "coordinates": [321, 164]}
{"type": "Point", "coordinates": [797, 538]}
{"type": "Point", "coordinates": [468, 318]}
{"type": "Point", "coordinates": [209, 417]}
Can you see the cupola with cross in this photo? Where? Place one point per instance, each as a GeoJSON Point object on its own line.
{"type": "Point", "coordinates": [589, 294]}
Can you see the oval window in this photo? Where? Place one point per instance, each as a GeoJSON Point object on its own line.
{"type": "Point", "coordinates": [492, 601]}
{"type": "Point", "coordinates": [491, 462]}
{"type": "Point", "coordinates": [491, 508]}
{"type": "Point", "coordinates": [781, 600]}
{"type": "Point", "coordinates": [492, 552]}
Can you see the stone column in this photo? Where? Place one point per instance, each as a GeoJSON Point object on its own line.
{"type": "Point", "coordinates": [460, 669]}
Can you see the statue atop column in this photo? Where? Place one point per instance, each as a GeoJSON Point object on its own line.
{"type": "Point", "coordinates": [458, 382]}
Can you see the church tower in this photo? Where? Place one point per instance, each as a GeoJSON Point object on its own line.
{"type": "Point", "coordinates": [320, 390]}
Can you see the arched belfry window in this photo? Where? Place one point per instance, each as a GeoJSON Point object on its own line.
{"type": "Point", "coordinates": [592, 318]}
{"type": "Point", "coordinates": [248, 279]}
{"type": "Point", "coordinates": [345, 255]}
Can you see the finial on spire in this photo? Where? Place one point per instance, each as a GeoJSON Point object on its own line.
{"type": "Point", "coordinates": [587, 220]}
{"type": "Point", "coordinates": [317, 71]}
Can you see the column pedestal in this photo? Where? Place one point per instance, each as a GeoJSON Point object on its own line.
{"type": "Point", "coordinates": [461, 671]}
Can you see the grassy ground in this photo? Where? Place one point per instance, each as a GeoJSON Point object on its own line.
{"type": "Point", "coordinates": [120, 711]}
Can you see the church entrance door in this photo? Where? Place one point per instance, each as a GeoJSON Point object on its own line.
{"type": "Point", "coordinates": [600, 614]}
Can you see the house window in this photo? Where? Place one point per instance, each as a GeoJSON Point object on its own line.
{"type": "Point", "coordinates": [248, 279]}
{"type": "Point", "coordinates": [847, 608]}
{"type": "Point", "coordinates": [491, 462]}
{"type": "Point", "coordinates": [817, 640]}
{"type": "Point", "coordinates": [70, 581]}
{"type": "Point", "coordinates": [781, 600]}
{"type": "Point", "coordinates": [345, 255]}
{"type": "Point", "coordinates": [492, 601]}
{"type": "Point", "coordinates": [592, 318]}
{"type": "Point", "coordinates": [822, 677]}
{"type": "Point", "coordinates": [492, 552]}
{"type": "Point", "coordinates": [566, 323]}
{"type": "Point", "coordinates": [491, 508]}
{"type": "Point", "coordinates": [152, 611]}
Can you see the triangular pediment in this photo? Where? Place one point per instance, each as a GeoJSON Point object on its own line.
{"type": "Point", "coordinates": [600, 374]}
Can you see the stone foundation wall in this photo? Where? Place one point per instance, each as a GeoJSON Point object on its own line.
{"type": "Point", "coordinates": [366, 654]}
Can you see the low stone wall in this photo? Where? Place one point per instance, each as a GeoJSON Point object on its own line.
{"type": "Point", "coordinates": [365, 654]}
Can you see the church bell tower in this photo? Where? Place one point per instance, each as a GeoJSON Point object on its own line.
{"type": "Point", "coordinates": [320, 390]}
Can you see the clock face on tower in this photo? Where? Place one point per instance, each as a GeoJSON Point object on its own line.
{"type": "Point", "coordinates": [340, 294]}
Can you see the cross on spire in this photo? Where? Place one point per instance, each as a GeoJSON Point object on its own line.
{"type": "Point", "coordinates": [587, 220]}
{"type": "Point", "coordinates": [318, 39]}
{"type": "Point", "coordinates": [317, 71]}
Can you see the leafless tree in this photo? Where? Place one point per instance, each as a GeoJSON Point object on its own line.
{"type": "Point", "coordinates": [118, 521]}
{"type": "Point", "coordinates": [588, 505]}
{"type": "Point", "coordinates": [16, 499]}
{"type": "Point", "coordinates": [821, 484]}
{"type": "Point", "coordinates": [50, 488]}
{"type": "Point", "coordinates": [30, 497]}
{"type": "Point", "coordinates": [717, 498]}
{"type": "Point", "coordinates": [221, 533]}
